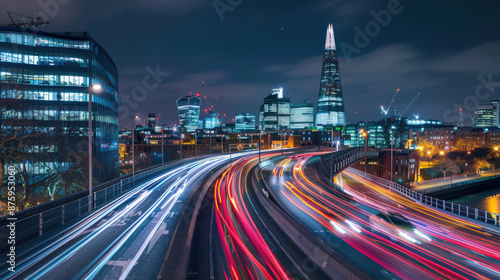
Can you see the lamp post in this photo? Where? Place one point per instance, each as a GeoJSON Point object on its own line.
{"type": "Point", "coordinates": [392, 154]}
{"type": "Point", "coordinates": [331, 160]}
{"type": "Point", "coordinates": [260, 141]}
{"type": "Point", "coordinates": [281, 138]}
{"type": "Point", "coordinates": [195, 143]}
{"type": "Point", "coordinates": [222, 142]}
{"type": "Point", "coordinates": [180, 144]}
{"type": "Point", "coordinates": [496, 153]}
{"type": "Point", "coordinates": [365, 135]}
{"type": "Point", "coordinates": [133, 143]}
{"type": "Point", "coordinates": [95, 87]}
{"type": "Point", "coordinates": [210, 145]}
{"type": "Point", "coordinates": [162, 145]}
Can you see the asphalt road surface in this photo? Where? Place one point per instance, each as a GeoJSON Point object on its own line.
{"type": "Point", "coordinates": [426, 243]}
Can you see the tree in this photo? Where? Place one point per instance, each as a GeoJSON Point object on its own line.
{"type": "Point", "coordinates": [467, 144]}
{"type": "Point", "coordinates": [23, 144]}
{"type": "Point", "coordinates": [45, 162]}
{"type": "Point", "coordinates": [445, 165]}
{"type": "Point", "coordinates": [481, 164]}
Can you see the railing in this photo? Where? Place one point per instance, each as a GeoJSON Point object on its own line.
{"type": "Point", "coordinates": [454, 185]}
{"type": "Point", "coordinates": [469, 212]}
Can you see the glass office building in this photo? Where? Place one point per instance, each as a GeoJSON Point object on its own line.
{"type": "Point", "coordinates": [211, 121]}
{"type": "Point", "coordinates": [302, 116]}
{"type": "Point", "coordinates": [487, 115]}
{"type": "Point", "coordinates": [188, 108]}
{"type": "Point", "coordinates": [330, 102]}
{"type": "Point", "coordinates": [276, 111]}
{"type": "Point", "coordinates": [244, 122]}
{"type": "Point", "coordinates": [44, 83]}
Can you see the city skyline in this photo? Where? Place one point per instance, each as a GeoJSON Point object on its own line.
{"type": "Point", "coordinates": [418, 56]}
{"type": "Point", "coordinates": [227, 139]}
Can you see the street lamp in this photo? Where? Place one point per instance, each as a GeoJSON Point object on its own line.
{"type": "Point", "coordinates": [133, 143]}
{"type": "Point", "coordinates": [260, 142]}
{"type": "Point", "coordinates": [365, 135]}
{"type": "Point", "coordinates": [331, 159]}
{"type": "Point", "coordinates": [162, 145]}
{"type": "Point", "coordinates": [496, 150]}
{"type": "Point", "coordinates": [96, 88]}
{"type": "Point", "coordinates": [392, 151]}
{"type": "Point", "coordinates": [282, 137]}
{"type": "Point", "coordinates": [196, 143]}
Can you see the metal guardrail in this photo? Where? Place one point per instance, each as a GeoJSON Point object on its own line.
{"type": "Point", "coordinates": [452, 178]}
{"type": "Point", "coordinates": [469, 212]}
{"type": "Point", "coordinates": [43, 222]}
{"type": "Point", "coordinates": [454, 185]}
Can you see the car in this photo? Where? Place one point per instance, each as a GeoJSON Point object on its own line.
{"type": "Point", "coordinates": [396, 226]}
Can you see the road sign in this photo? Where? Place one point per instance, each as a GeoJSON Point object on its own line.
{"type": "Point", "coordinates": [239, 147]}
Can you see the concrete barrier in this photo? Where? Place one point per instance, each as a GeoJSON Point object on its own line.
{"type": "Point", "coordinates": [176, 261]}
{"type": "Point", "coordinates": [331, 262]}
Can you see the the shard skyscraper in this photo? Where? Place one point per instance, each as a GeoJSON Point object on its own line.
{"type": "Point", "coordinates": [330, 102]}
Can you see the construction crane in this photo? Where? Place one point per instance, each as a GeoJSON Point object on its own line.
{"type": "Point", "coordinates": [384, 112]}
{"type": "Point", "coordinates": [23, 21]}
{"type": "Point", "coordinates": [418, 94]}
{"type": "Point", "coordinates": [210, 107]}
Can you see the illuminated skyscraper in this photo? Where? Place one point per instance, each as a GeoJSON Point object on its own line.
{"type": "Point", "coordinates": [487, 115]}
{"type": "Point", "coordinates": [188, 108]}
{"type": "Point", "coordinates": [211, 121]}
{"type": "Point", "coordinates": [44, 85]}
{"type": "Point", "coordinates": [330, 102]}
{"type": "Point", "coordinates": [302, 116]}
{"type": "Point", "coordinates": [276, 111]}
{"type": "Point", "coordinates": [151, 120]}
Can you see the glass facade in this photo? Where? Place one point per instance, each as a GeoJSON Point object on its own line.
{"type": "Point", "coordinates": [487, 115]}
{"type": "Point", "coordinates": [244, 122]}
{"type": "Point", "coordinates": [44, 83]}
{"type": "Point", "coordinates": [188, 108]}
{"type": "Point", "coordinates": [211, 121]}
{"type": "Point", "coordinates": [379, 134]}
{"type": "Point", "coordinates": [302, 116]}
{"type": "Point", "coordinates": [330, 102]}
{"type": "Point", "coordinates": [276, 112]}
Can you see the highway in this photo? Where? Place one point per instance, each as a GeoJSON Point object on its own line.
{"type": "Point", "coordinates": [425, 243]}
{"type": "Point", "coordinates": [237, 238]}
{"type": "Point", "coordinates": [127, 238]}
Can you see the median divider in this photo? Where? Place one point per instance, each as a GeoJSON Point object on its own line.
{"type": "Point", "coordinates": [331, 262]}
{"type": "Point", "coordinates": [176, 261]}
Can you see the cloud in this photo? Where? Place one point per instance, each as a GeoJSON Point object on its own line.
{"type": "Point", "coordinates": [481, 59]}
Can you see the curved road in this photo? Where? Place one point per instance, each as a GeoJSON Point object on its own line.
{"type": "Point", "coordinates": [441, 245]}
{"type": "Point", "coordinates": [127, 238]}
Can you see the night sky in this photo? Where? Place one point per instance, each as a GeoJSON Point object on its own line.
{"type": "Point", "coordinates": [438, 48]}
